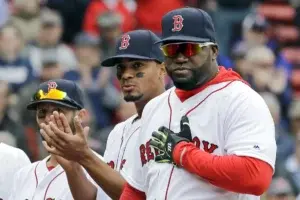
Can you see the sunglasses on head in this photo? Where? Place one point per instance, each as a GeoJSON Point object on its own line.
{"type": "Point", "coordinates": [188, 49]}
{"type": "Point", "coordinates": [54, 94]}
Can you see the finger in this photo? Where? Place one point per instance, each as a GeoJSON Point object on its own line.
{"type": "Point", "coordinates": [161, 159]}
{"type": "Point", "coordinates": [65, 123]}
{"type": "Point", "coordinates": [184, 123]}
{"type": "Point", "coordinates": [159, 135]}
{"type": "Point", "coordinates": [58, 121]}
{"type": "Point", "coordinates": [157, 144]}
{"type": "Point", "coordinates": [46, 137]}
{"type": "Point", "coordinates": [59, 135]}
{"type": "Point", "coordinates": [52, 119]}
{"type": "Point", "coordinates": [55, 139]}
{"type": "Point", "coordinates": [52, 150]}
{"type": "Point", "coordinates": [86, 131]}
{"type": "Point", "coordinates": [165, 130]}
{"type": "Point", "coordinates": [78, 126]}
{"type": "Point", "coordinates": [185, 130]}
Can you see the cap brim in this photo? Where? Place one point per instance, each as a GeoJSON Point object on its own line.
{"type": "Point", "coordinates": [183, 39]}
{"type": "Point", "coordinates": [112, 61]}
{"type": "Point", "coordinates": [33, 105]}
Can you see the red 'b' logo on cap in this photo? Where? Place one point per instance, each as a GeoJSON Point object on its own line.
{"type": "Point", "coordinates": [124, 42]}
{"type": "Point", "coordinates": [178, 19]}
{"type": "Point", "coordinates": [52, 85]}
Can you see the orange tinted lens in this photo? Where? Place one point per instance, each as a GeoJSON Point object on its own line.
{"type": "Point", "coordinates": [187, 49]}
{"type": "Point", "coordinates": [170, 50]}
{"type": "Point", "coordinates": [190, 49]}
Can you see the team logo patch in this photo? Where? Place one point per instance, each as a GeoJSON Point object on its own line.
{"type": "Point", "coordinates": [178, 23]}
{"type": "Point", "coordinates": [124, 42]}
{"type": "Point", "coordinates": [52, 85]}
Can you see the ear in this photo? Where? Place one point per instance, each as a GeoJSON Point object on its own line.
{"type": "Point", "coordinates": [85, 116]}
{"type": "Point", "coordinates": [162, 71]}
{"type": "Point", "coordinates": [215, 52]}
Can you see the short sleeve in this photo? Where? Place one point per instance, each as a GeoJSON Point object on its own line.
{"type": "Point", "coordinates": [23, 159]}
{"type": "Point", "coordinates": [249, 128]}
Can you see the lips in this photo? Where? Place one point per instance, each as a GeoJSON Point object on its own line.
{"type": "Point", "coordinates": [128, 87]}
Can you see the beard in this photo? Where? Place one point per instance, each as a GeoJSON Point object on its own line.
{"type": "Point", "coordinates": [133, 98]}
{"type": "Point", "coordinates": [196, 78]}
{"type": "Point", "coordinates": [187, 83]}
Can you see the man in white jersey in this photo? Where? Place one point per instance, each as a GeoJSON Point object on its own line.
{"type": "Point", "coordinates": [141, 74]}
{"type": "Point", "coordinates": [11, 160]}
{"type": "Point", "coordinates": [48, 179]}
{"type": "Point", "coordinates": [213, 133]}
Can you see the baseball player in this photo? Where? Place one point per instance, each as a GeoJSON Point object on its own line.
{"type": "Point", "coordinates": [214, 135]}
{"type": "Point", "coordinates": [141, 74]}
{"type": "Point", "coordinates": [48, 179]}
{"type": "Point", "coordinates": [11, 159]}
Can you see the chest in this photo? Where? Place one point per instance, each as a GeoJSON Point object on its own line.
{"type": "Point", "coordinates": [206, 116]}
{"type": "Point", "coordinates": [44, 185]}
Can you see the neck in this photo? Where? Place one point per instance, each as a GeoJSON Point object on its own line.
{"type": "Point", "coordinates": [141, 104]}
{"type": "Point", "coordinates": [210, 74]}
{"type": "Point", "coordinates": [52, 162]}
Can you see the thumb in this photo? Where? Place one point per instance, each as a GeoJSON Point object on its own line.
{"type": "Point", "coordinates": [184, 124]}
{"type": "Point", "coordinates": [78, 127]}
{"type": "Point", "coordinates": [86, 131]}
{"type": "Point", "coordinates": [185, 130]}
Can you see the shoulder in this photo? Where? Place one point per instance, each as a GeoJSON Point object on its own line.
{"type": "Point", "coordinates": [239, 94]}
{"type": "Point", "coordinates": [119, 128]}
{"type": "Point", "coordinates": [13, 153]}
{"type": "Point", "coordinates": [157, 101]}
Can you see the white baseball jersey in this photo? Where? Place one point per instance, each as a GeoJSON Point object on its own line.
{"type": "Point", "coordinates": [36, 182]}
{"type": "Point", "coordinates": [11, 160]}
{"type": "Point", "coordinates": [225, 118]}
{"type": "Point", "coordinates": [121, 143]}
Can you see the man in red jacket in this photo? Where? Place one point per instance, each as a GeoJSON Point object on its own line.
{"type": "Point", "coordinates": [209, 137]}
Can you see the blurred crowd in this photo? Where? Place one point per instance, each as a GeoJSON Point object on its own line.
{"type": "Point", "coordinates": [50, 39]}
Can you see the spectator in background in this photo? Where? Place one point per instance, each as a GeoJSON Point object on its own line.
{"type": "Point", "coordinates": [11, 132]}
{"type": "Point", "coordinates": [49, 38]}
{"type": "Point", "coordinates": [280, 189]}
{"type": "Point", "coordinates": [228, 14]}
{"type": "Point", "coordinates": [14, 69]}
{"type": "Point", "coordinates": [284, 141]}
{"type": "Point", "coordinates": [95, 81]}
{"type": "Point", "coordinates": [51, 69]}
{"type": "Point", "coordinates": [72, 13]}
{"type": "Point", "coordinates": [26, 17]}
{"type": "Point", "coordinates": [4, 12]}
{"type": "Point", "coordinates": [292, 166]}
{"type": "Point", "coordinates": [109, 24]}
{"type": "Point", "coordinates": [294, 116]}
{"type": "Point", "coordinates": [265, 77]}
{"type": "Point", "coordinates": [255, 33]}
{"type": "Point", "coordinates": [125, 8]}
{"type": "Point", "coordinates": [149, 13]}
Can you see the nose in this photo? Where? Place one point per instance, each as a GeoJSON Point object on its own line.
{"type": "Point", "coordinates": [180, 58]}
{"type": "Point", "coordinates": [47, 118]}
{"type": "Point", "coordinates": [128, 73]}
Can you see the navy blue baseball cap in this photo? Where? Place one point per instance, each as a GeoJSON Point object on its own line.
{"type": "Point", "coordinates": [59, 91]}
{"type": "Point", "coordinates": [138, 44]}
{"type": "Point", "coordinates": [187, 25]}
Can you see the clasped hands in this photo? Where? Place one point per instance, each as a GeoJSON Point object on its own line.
{"type": "Point", "coordinates": [165, 140]}
{"type": "Point", "coordinates": [61, 140]}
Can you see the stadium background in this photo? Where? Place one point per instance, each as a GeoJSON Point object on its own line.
{"type": "Point", "coordinates": [46, 39]}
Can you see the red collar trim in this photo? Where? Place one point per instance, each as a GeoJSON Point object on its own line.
{"type": "Point", "coordinates": [224, 75]}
